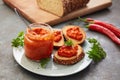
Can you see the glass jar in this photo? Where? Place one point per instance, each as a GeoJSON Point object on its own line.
{"type": "Point", "coordinates": [38, 41]}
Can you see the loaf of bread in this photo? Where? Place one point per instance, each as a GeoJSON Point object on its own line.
{"type": "Point", "coordinates": [61, 7]}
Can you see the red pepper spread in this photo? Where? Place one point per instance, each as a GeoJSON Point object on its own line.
{"type": "Point", "coordinates": [74, 33]}
{"type": "Point", "coordinates": [67, 51]}
{"type": "Point", "coordinates": [57, 36]}
{"type": "Point", "coordinates": [38, 43]}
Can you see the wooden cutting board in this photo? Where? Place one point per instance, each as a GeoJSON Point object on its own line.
{"type": "Point", "coordinates": [30, 10]}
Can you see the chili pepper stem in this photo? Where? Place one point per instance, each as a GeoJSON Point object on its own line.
{"type": "Point", "coordinates": [86, 20]}
{"type": "Point", "coordinates": [87, 26]}
{"type": "Point", "coordinates": [82, 19]}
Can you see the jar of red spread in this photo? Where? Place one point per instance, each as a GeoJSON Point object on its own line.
{"type": "Point", "coordinates": [38, 41]}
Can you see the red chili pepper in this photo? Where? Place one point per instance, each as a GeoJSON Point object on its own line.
{"type": "Point", "coordinates": [111, 27]}
{"type": "Point", "coordinates": [101, 29]}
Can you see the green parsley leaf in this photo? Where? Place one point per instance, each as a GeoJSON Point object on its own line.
{"type": "Point", "coordinates": [96, 53]}
{"type": "Point", "coordinates": [19, 40]}
{"type": "Point", "coordinates": [43, 62]}
{"type": "Point", "coordinates": [69, 43]}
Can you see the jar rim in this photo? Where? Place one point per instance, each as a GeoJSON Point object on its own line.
{"type": "Point", "coordinates": [42, 25]}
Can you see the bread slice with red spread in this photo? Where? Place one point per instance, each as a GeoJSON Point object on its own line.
{"type": "Point", "coordinates": [58, 38]}
{"type": "Point", "coordinates": [67, 58]}
{"type": "Point", "coordinates": [74, 33]}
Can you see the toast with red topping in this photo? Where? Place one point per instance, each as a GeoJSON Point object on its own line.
{"type": "Point", "coordinates": [68, 55]}
{"type": "Point", "coordinates": [74, 33]}
{"type": "Point", "coordinates": [58, 38]}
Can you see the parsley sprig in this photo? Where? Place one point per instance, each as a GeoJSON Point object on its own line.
{"type": "Point", "coordinates": [44, 62]}
{"type": "Point", "coordinates": [96, 53]}
{"type": "Point", "coordinates": [18, 41]}
{"type": "Point", "coordinates": [69, 43]}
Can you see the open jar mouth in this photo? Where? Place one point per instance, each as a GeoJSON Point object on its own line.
{"type": "Point", "coordinates": [39, 31]}
{"type": "Point", "coordinates": [44, 25]}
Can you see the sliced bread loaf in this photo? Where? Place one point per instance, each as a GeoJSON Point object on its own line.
{"type": "Point", "coordinates": [61, 7]}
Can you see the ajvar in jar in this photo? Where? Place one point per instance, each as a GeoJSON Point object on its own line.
{"type": "Point", "coordinates": [38, 41]}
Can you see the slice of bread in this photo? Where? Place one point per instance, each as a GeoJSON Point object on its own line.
{"type": "Point", "coordinates": [69, 60]}
{"type": "Point", "coordinates": [61, 7]}
{"type": "Point", "coordinates": [75, 42]}
{"type": "Point", "coordinates": [61, 42]}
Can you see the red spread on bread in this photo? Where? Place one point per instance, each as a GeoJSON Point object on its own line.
{"type": "Point", "coordinates": [67, 51]}
{"type": "Point", "coordinates": [74, 33]}
{"type": "Point", "coordinates": [57, 36]}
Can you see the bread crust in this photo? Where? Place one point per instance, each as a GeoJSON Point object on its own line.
{"type": "Point", "coordinates": [72, 5]}
{"type": "Point", "coordinates": [69, 61]}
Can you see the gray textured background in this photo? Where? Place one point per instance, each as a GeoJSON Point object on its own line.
{"type": "Point", "coordinates": [107, 69]}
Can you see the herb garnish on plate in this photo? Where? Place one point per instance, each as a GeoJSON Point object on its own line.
{"type": "Point", "coordinates": [96, 53]}
{"type": "Point", "coordinates": [19, 40]}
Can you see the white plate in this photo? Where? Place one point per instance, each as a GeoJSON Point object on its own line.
{"type": "Point", "coordinates": [52, 68]}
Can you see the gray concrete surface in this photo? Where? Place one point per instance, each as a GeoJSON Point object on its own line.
{"type": "Point", "coordinates": [107, 69]}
